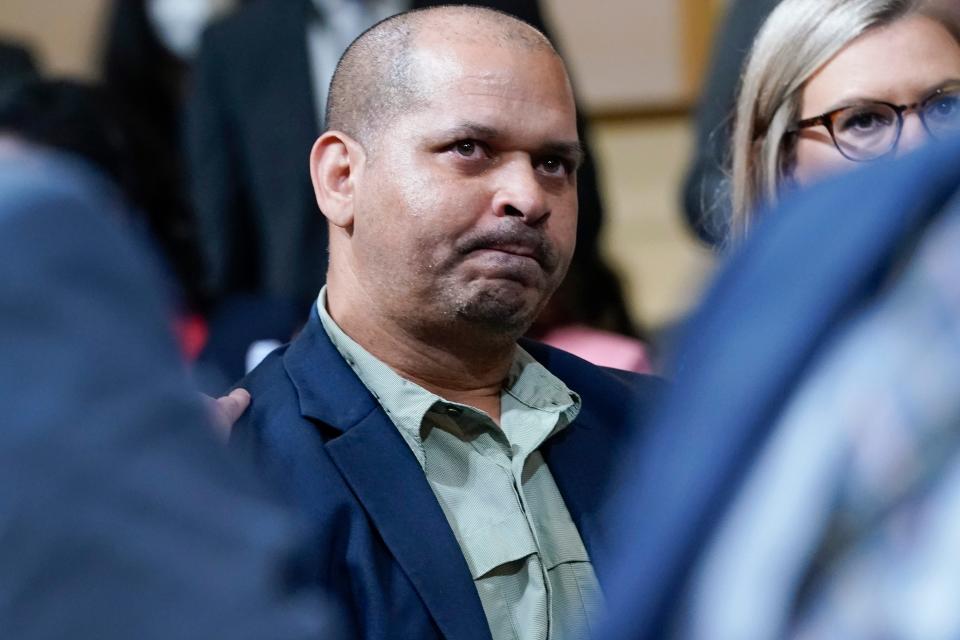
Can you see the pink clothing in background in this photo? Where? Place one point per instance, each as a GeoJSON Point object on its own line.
{"type": "Point", "coordinates": [600, 347]}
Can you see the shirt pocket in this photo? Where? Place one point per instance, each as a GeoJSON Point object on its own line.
{"type": "Point", "coordinates": [492, 545]}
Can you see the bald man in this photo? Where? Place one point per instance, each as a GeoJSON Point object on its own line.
{"type": "Point", "coordinates": [454, 476]}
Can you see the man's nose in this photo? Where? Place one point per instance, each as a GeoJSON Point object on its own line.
{"type": "Point", "coordinates": [912, 135]}
{"type": "Point", "coordinates": [520, 192]}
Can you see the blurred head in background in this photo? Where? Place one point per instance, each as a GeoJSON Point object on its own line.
{"type": "Point", "coordinates": [831, 84]}
{"type": "Point", "coordinates": [85, 121]}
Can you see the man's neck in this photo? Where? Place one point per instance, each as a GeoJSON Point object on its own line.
{"type": "Point", "coordinates": [472, 379]}
{"type": "Point", "coordinates": [455, 363]}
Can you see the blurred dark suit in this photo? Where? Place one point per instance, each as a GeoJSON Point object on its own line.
{"type": "Point", "coordinates": [251, 122]}
{"type": "Point", "coordinates": [809, 267]}
{"type": "Point", "coordinates": [120, 515]}
{"type": "Point", "coordinates": [706, 193]}
{"type": "Point", "coordinates": [15, 63]}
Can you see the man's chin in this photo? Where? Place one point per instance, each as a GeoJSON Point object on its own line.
{"type": "Point", "coordinates": [509, 309]}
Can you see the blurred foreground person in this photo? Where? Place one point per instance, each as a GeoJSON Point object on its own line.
{"type": "Point", "coordinates": [122, 517]}
{"type": "Point", "coordinates": [803, 478]}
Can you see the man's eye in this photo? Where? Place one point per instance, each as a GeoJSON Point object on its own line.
{"type": "Point", "coordinates": [466, 148]}
{"type": "Point", "coordinates": [554, 166]}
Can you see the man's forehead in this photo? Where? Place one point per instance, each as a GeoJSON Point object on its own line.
{"type": "Point", "coordinates": [443, 54]}
{"type": "Point", "coordinates": [498, 107]}
{"type": "Point", "coordinates": [493, 117]}
{"type": "Point", "coordinates": [504, 72]}
{"type": "Point", "coordinates": [476, 25]}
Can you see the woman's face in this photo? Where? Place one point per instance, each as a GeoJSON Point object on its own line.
{"type": "Point", "coordinates": [902, 63]}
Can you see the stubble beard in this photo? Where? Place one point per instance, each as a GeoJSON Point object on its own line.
{"type": "Point", "coordinates": [502, 314]}
{"type": "Point", "coordinates": [503, 308]}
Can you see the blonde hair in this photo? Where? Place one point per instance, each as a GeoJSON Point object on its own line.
{"type": "Point", "coordinates": [798, 38]}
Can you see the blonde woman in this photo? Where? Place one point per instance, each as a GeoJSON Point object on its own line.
{"type": "Point", "coordinates": [830, 84]}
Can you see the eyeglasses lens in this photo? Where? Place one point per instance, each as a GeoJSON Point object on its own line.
{"type": "Point", "coordinates": [941, 114]}
{"type": "Point", "coordinates": [866, 132]}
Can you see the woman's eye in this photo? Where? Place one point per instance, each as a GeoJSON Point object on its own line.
{"type": "Point", "coordinates": [941, 115]}
{"type": "Point", "coordinates": [862, 121]}
{"type": "Point", "coordinates": [865, 121]}
{"type": "Point", "coordinates": [943, 107]}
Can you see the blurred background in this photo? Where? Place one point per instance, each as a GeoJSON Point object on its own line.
{"type": "Point", "coordinates": [637, 67]}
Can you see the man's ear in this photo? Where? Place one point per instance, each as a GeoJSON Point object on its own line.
{"type": "Point", "coordinates": [334, 162]}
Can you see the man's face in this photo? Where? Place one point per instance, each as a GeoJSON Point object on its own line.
{"type": "Point", "coordinates": [466, 207]}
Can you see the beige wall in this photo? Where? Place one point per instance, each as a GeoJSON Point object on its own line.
{"type": "Point", "coordinates": [630, 53]}
{"type": "Point", "coordinates": [642, 164]}
{"type": "Point", "coordinates": [62, 33]}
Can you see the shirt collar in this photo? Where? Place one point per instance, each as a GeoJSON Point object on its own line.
{"type": "Point", "coordinates": [528, 382]}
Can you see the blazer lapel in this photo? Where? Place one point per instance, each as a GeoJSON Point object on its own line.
{"type": "Point", "coordinates": [379, 467]}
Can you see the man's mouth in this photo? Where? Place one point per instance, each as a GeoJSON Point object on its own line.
{"type": "Point", "coordinates": [522, 251]}
{"type": "Point", "coordinates": [530, 246]}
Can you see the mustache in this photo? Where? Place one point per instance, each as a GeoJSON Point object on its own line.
{"type": "Point", "coordinates": [514, 236]}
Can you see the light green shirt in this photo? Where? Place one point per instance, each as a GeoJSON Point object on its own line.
{"type": "Point", "coordinates": [529, 565]}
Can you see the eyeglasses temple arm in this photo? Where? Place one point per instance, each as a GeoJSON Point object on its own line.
{"type": "Point", "coordinates": [809, 122]}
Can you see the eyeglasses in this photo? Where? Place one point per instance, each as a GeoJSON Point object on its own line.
{"type": "Point", "coordinates": [872, 130]}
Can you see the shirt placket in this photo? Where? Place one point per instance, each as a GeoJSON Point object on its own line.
{"type": "Point", "coordinates": [496, 447]}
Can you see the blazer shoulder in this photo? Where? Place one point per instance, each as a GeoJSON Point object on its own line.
{"type": "Point", "coordinates": [595, 384]}
{"type": "Point", "coordinates": [558, 360]}
{"type": "Point", "coordinates": [269, 381]}
{"type": "Point", "coordinates": [642, 383]}
{"type": "Point", "coordinates": [273, 400]}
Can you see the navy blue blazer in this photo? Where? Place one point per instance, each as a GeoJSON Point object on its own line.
{"type": "Point", "coordinates": [807, 266]}
{"type": "Point", "coordinates": [382, 542]}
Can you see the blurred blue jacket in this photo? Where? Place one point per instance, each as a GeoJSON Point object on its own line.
{"type": "Point", "coordinates": [808, 266]}
{"type": "Point", "coordinates": [120, 514]}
